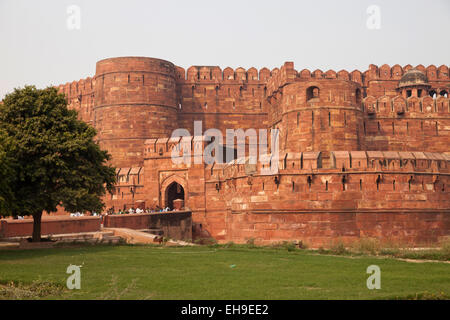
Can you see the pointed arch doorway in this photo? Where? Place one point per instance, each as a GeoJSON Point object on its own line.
{"type": "Point", "coordinates": [173, 191]}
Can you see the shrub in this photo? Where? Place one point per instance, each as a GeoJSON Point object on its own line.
{"type": "Point", "coordinates": [338, 247]}
{"type": "Point", "coordinates": [36, 290]}
{"type": "Point", "coordinates": [289, 246]}
{"type": "Point", "coordinates": [229, 244]}
{"type": "Point", "coordinates": [367, 246]}
{"type": "Point", "coordinates": [251, 243]}
{"type": "Point", "coordinates": [302, 245]}
{"type": "Point", "coordinates": [445, 246]}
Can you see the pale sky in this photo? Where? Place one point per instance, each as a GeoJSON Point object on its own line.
{"type": "Point", "coordinates": [38, 48]}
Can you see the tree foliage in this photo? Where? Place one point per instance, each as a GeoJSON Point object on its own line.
{"type": "Point", "coordinates": [51, 156]}
{"type": "Point", "coordinates": [6, 177]}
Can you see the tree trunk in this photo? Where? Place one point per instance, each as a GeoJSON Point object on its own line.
{"type": "Point", "coordinates": [37, 226]}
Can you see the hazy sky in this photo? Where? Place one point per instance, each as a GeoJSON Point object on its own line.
{"type": "Point", "coordinates": [38, 48]}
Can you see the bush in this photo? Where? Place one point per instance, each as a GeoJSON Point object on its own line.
{"type": "Point", "coordinates": [289, 246]}
{"type": "Point", "coordinates": [445, 246]}
{"type": "Point", "coordinates": [302, 245]}
{"type": "Point", "coordinates": [251, 243]}
{"type": "Point", "coordinates": [338, 247]}
{"type": "Point", "coordinates": [36, 290]}
{"type": "Point", "coordinates": [229, 244]}
{"type": "Point", "coordinates": [206, 242]}
{"type": "Point", "coordinates": [321, 250]}
{"type": "Point", "coordinates": [367, 246]}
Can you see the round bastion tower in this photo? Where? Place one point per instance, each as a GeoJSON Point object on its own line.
{"type": "Point", "coordinates": [321, 115]}
{"type": "Point", "coordinates": [135, 99]}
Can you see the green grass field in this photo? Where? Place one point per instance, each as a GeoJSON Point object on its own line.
{"type": "Point", "coordinates": [150, 272]}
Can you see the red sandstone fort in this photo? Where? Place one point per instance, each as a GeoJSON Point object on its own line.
{"type": "Point", "coordinates": [362, 154]}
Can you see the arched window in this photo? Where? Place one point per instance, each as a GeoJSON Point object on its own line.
{"type": "Point", "coordinates": [433, 94]}
{"type": "Point", "coordinates": [443, 93]}
{"type": "Point", "coordinates": [312, 93]}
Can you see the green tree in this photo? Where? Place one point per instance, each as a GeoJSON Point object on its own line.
{"type": "Point", "coordinates": [55, 158]}
{"type": "Point", "coordinates": [6, 177]}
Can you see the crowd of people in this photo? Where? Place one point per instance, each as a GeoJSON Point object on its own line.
{"type": "Point", "coordinates": [111, 211]}
{"type": "Point", "coordinates": [132, 210]}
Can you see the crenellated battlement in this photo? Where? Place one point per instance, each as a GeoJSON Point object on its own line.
{"type": "Point", "coordinates": [76, 88]}
{"type": "Point", "coordinates": [342, 162]}
{"type": "Point", "coordinates": [275, 78]}
{"type": "Point", "coordinates": [438, 77]}
{"type": "Point", "coordinates": [302, 162]}
{"type": "Point", "coordinates": [398, 106]}
{"type": "Point", "coordinates": [351, 109]}
{"type": "Point", "coordinates": [361, 153]}
{"type": "Point", "coordinates": [201, 74]}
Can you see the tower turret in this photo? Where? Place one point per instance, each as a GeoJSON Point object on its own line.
{"type": "Point", "coordinates": [413, 83]}
{"type": "Point", "coordinates": [135, 99]}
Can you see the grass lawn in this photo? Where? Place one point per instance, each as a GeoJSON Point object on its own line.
{"type": "Point", "coordinates": [150, 272]}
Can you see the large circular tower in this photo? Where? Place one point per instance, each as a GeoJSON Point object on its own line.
{"type": "Point", "coordinates": [319, 115]}
{"type": "Point", "coordinates": [135, 99]}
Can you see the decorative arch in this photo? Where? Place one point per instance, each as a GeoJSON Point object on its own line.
{"type": "Point", "coordinates": [433, 93]}
{"type": "Point", "coordinates": [413, 104]}
{"type": "Point", "coordinates": [370, 104]}
{"type": "Point", "coordinates": [167, 184]}
{"type": "Point", "coordinates": [428, 103]}
{"type": "Point", "coordinates": [384, 104]}
{"type": "Point", "coordinates": [399, 104]}
{"type": "Point", "coordinates": [441, 104]}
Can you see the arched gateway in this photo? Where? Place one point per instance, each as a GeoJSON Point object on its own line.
{"type": "Point", "coordinates": [173, 191]}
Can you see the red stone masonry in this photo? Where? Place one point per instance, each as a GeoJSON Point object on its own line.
{"type": "Point", "coordinates": [50, 226]}
{"type": "Point", "coordinates": [362, 154]}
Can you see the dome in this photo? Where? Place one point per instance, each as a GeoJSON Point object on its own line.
{"type": "Point", "coordinates": [413, 77]}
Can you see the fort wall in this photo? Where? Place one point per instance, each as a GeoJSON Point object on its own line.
{"type": "Point", "coordinates": [381, 195]}
{"type": "Point", "coordinates": [359, 156]}
{"type": "Point", "coordinates": [50, 226]}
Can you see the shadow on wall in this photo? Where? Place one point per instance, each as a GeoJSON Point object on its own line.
{"type": "Point", "coordinates": [198, 233]}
